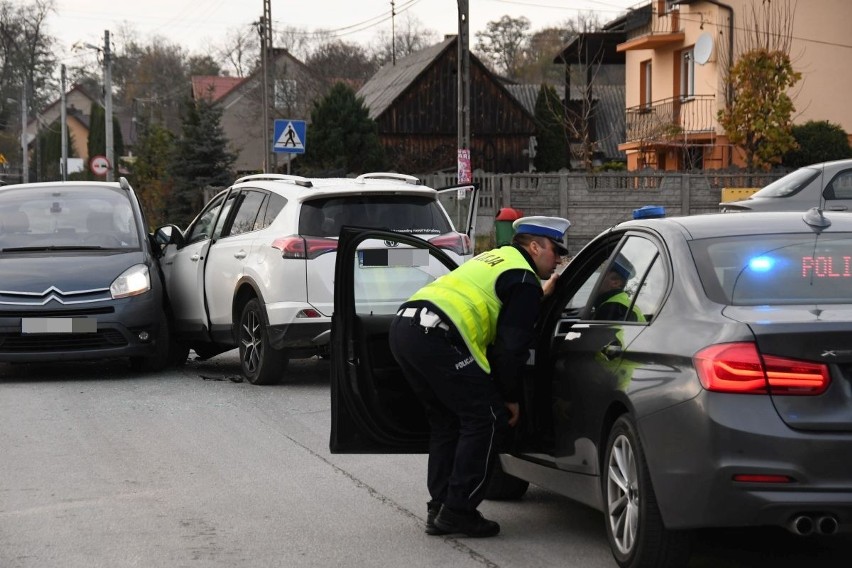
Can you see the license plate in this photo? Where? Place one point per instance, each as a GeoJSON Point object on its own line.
{"type": "Point", "coordinates": [58, 325]}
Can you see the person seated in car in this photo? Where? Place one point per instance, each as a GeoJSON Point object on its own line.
{"type": "Point", "coordinates": [612, 302]}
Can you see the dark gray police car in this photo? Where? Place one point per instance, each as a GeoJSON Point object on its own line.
{"type": "Point", "coordinates": [727, 404]}
{"type": "Point", "coordinates": [79, 277]}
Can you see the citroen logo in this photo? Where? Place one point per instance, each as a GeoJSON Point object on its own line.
{"type": "Point", "coordinates": [391, 243]}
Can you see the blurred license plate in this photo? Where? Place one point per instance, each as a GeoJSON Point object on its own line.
{"type": "Point", "coordinates": [58, 325]}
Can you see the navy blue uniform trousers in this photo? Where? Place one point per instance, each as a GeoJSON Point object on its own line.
{"type": "Point", "coordinates": [466, 414]}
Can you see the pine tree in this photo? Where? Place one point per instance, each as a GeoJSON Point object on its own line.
{"type": "Point", "coordinates": [202, 159]}
{"type": "Point", "coordinates": [551, 139]}
{"type": "Point", "coordinates": [342, 137]}
{"type": "Point", "coordinates": [96, 144]}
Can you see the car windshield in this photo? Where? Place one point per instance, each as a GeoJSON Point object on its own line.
{"type": "Point", "coordinates": [420, 215]}
{"type": "Point", "coordinates": [801, 268]}
{"type": "Point", "coordinates": [790, 184]}
{"type": "Point", "coordinates": [66, 218]}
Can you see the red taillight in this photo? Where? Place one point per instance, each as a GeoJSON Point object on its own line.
{"type": "Point", "coordinates": [762, 478]}
{"type": "Point", "coordinates": [457, 242]}
{"type": "Point", "coordinates": [296, 246]}
{"type": "Point", "coordinates": [739, 368]}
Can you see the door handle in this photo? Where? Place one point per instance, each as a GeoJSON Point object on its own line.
{"type": "Point", "coordinates": [194, 258]}
{"type": "Point", "coordinates": [241, 254]}
{"type": "Point", "coordinates": [613, 350]}
{"type": "Point", "coordinates": [837, 208]}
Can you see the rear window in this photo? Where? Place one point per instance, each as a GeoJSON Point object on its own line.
{"type": "Point", "coordinates": [751, 270]}
{"type": "Point", "coordinates": [417, 215]}
{"type": "Point", "coordinates": [790, 184]}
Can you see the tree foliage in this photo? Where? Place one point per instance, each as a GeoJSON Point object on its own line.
{"type": "Point", "coordinates": [408, 37]}
{"type": "Point", "coordinates": [503, 43]}
{"type": "Point", "coordinates": [552, 142]}
{"type": "Point", "coordinates": [150, 172]}
{"type": "Point", "coordinates": [343, 138]}
{"type": "Point", "coordinates": [341, 61]}
{"type": "Point", "coordinates": [49, 152]}
{"type": "Point", "coordinates": [202, 159]}
{"type": "Point", "coordinates": [818, 141]}
{"type": "Point", "coordinates": [759, 118]}
{"type": "Point", "coordinates": [96, 144]}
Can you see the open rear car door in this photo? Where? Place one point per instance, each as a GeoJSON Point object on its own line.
{"type": "Point", "coordinates": [373, 410]}
{"type": "Point", "coordinates": [462, 204]}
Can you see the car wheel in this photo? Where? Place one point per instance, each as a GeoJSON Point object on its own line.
{"type": "Point", "coordinates": [259, 362]}
{"type": "Point", "coordinates": [634, 525]}
{"type": "Point", "coordinates": [504, 487]}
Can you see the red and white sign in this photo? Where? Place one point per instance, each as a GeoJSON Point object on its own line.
{"type": "Point", "coordinates": [464, 171]}
{"type": "Point", "coordinates": [99, 165]}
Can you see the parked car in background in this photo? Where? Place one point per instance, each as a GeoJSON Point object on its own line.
{"type": "Point", "coordinates": [827, 185]}
{"type": "Point", "coordinates": [255, 269]}
{"type": "Point", "coordinates": [79, 278]}
{"type": "Point", "coordinates": [727, 404]}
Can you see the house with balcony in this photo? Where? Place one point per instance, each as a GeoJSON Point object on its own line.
{"type": "Point", "coordinates": [677, 57]}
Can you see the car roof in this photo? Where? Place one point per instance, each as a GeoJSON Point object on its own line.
{"type": "Point", "coordinates": [751, 223]}
{"type": "Point", "coordinates": [69, 184]}
{"type": "Point", "coordinates": [300, 188]}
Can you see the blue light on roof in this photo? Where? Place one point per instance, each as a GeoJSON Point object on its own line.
{"type": "Point", "coordinates": [761, 264]}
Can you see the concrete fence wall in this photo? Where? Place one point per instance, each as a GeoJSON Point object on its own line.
{"type": "Point", "coordinates": [594, 202]}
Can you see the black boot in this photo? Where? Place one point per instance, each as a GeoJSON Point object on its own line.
{"type": "Point", "coordinates": [432, 509]}
{"type": "Point", "coordinates": [468, 523]}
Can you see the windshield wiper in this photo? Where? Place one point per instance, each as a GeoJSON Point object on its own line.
{"type": "Point", "coordinates": [54, 248]}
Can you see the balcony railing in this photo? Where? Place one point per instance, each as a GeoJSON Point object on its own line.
{"type": "Point", "coordinates": [669, 119]}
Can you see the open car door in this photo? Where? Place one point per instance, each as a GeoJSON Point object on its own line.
{"type": "Point", "coordinates": [461, 203]}
{"type": "Point", "coordinates": [373, 410]}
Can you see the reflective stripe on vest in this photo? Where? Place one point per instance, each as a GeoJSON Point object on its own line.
{"type": "Point", "coordinates": [468, 296]}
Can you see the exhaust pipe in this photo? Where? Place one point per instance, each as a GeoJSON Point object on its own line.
{"type": "Point", "coordinates": [801, 525]}
{"type": "Point", "coordinates": [826, 525]}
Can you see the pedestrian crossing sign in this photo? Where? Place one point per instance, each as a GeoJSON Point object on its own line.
{"type": "Point", "coordinates": [289, 136]}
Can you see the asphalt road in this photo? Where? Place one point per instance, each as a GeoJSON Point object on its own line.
{"type": "Point", "coordinates": [103, 467]}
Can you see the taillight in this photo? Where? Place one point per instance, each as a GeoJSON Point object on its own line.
{"type": "Point", "coordinates": [740, 368]}
{"type": "Point", "coordinates": [296, 246]}
{"type": "Point", "coordinates": [459, 243]}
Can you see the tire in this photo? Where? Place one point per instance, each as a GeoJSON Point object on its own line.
{"type": "Point", "coordinates": [634, 526]}
{"type": "Point", "coordinates": [504, 487]}
{"type": "Point", "coordinates": [259, 362]}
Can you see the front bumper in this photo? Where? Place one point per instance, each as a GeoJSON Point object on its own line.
{"type": "Point", "coordinates": [128, 327]}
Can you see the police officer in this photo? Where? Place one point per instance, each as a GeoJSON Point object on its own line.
{"type": "Point", "coordinates": [462, 342]}
{"type": "Point", "coordinates": [612, 302]}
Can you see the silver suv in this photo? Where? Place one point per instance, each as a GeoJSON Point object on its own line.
{"type": "Point", "coordinates": [255, 269]}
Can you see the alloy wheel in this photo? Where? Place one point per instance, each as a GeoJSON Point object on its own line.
{"type": "Point", "coordinates": [623, 495]}
{"type": "Point", "coordinates": [251, 338]}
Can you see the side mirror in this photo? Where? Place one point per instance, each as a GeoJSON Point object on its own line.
{"type": "Point", "coordinates": [168, 235]}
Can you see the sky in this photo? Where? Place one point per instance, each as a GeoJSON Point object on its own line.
{"type": "Point", "coordinates": [198, 24]}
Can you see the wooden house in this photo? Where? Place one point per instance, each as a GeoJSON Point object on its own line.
{"type": "Point", "coordinates": [415, 104]}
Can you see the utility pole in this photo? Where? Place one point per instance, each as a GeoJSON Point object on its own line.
{"type": "Point", "coordinates": [25, 166]}
{"type": "Point", "coordinates": [464, 170]}
{"type": "Point", "coordinates": [393, 33]}
{"type": "Point", "coordinates": [110, 154]}
{"type": "Point", "coordinates": [265, 29]}
{"type": "Point", "coordinates": [63, 166]}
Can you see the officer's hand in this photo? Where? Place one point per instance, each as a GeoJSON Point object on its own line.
{"type": "Point", "coordinates": [549, 285]}
{"type": "Point", "coordinates": [514, 412]}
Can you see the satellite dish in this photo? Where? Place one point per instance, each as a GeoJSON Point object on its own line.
{"type": "Point", "coordinates": [703, 48]}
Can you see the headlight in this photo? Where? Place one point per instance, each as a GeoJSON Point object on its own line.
{"type": "Point", "coordinates": [132, 282]}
